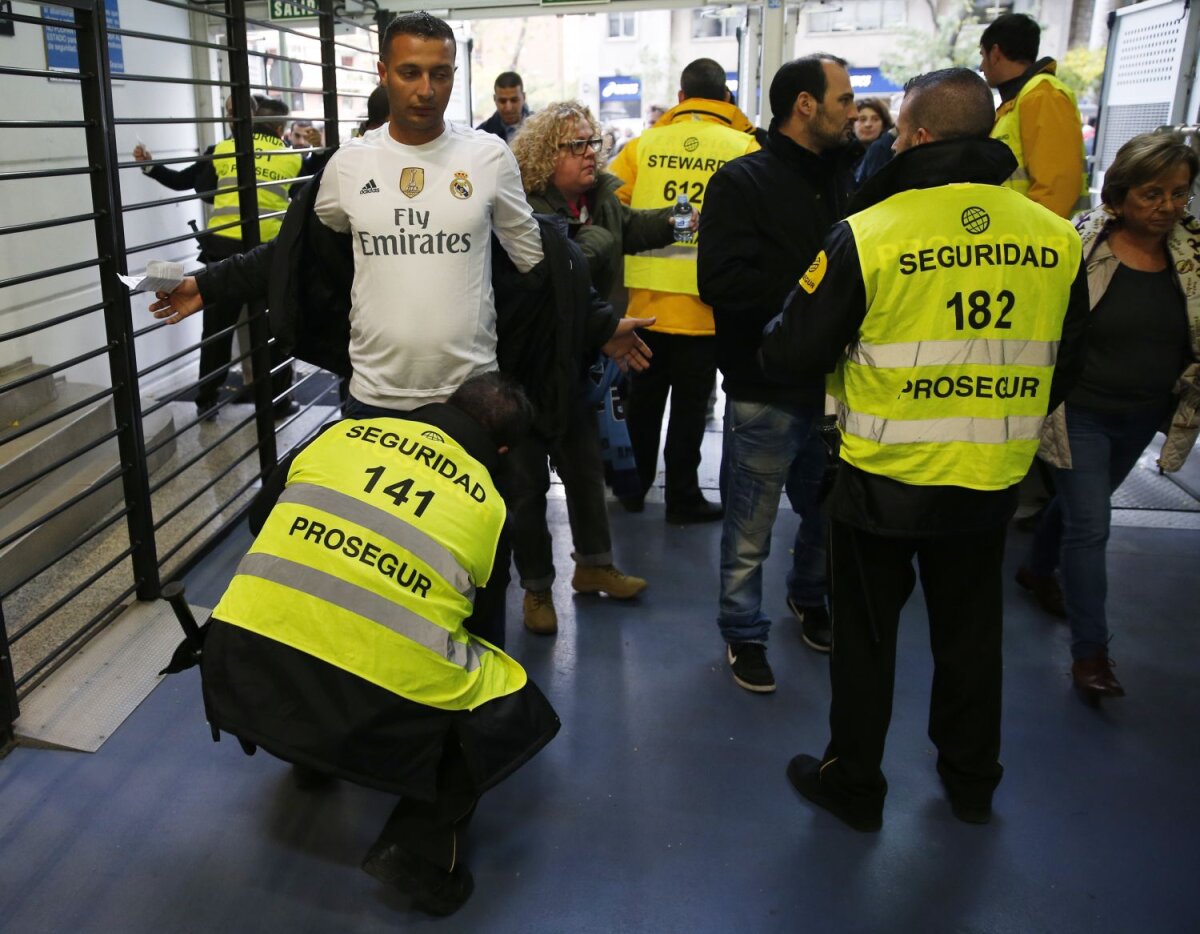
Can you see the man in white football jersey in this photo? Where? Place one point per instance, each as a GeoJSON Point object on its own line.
{"type": "Point", "coordinates": [420, 199]}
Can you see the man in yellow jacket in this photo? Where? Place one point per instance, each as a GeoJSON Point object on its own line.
{"type": "Point", "coordinates": [676, 157]}
{"type": "Point", "coordinates": [1038, 118]}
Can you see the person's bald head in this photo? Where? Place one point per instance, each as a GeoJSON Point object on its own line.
{"type": "Point", "coordinates": [954, 103]}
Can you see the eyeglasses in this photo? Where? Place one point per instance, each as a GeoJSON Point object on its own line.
{"type": "Point", "coordinates": [1154, 197]}
{"type": "Point", "coordinates": [579, 146]}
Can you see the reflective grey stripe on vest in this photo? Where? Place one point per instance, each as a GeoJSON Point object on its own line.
{"type": "Point", "coordinates": [955, 353]}
{"type": "Point", "coordinates": [407, 536]}
{"type": "Point", "coordinates": [941, 430]}
{"type": "Point", "coordinates": [359, 600]}
{"type": "Point", "coordinates": [1020, 174]}
{"type": "Point", "coordinates": [674, 251]}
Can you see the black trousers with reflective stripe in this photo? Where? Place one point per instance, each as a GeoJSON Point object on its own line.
{"type": "Point", "coordinates": [872, 578]}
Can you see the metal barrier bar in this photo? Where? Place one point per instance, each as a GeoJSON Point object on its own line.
{"type": "Point", "coordinates": [40, 73]}
{"type": "Point", "coordinates": [163, 79]}
{"type": "Point", "coordinates": [62, 461]}
{"type": "Point", "coordinates": [162, 482]}
{"type": "Point", "coordinates": [48, 273]}
{"type": "Point", "coordinates": [99, 622]}
{"type": "Point", "coordinates": [178, 547]}
{"type": "Point", "coordinates": [58, 510]}
{"type": "Point", "coordinates": [71, 595]}
{"type": "Point", "coordinates": [70, 409]}
{"type": "Point", "coordinates": [213, 481]}
{"type": "Point", "coordinates": [110, 243]}
{"type": "Point", "coordinates": [180, 199]}
{"type": "Point", "coordinates": [46, 173]}
{"type": "Point", "coordinates": [57, 368]}
{"type": "Point", "coordinates": [42, 124]}
{"type": "Point", "coordinates": [11, 17]}
{"type": "Point", "coordinates": [51, 322]}
{"type": "Point", "coordinates": [103, 527]}
{"type": "Point", "coordinates": [45, 225]}
{"type": "Point", "coordinates": [174, 40]}
{"type": "Point", "coordinates": [178, 395]}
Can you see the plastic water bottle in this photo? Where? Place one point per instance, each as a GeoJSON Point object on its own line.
{"type": "Point", "coordinates": [681, 219]}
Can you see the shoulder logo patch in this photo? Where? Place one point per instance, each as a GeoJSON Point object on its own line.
{"type": "Point", "coordinates": [370, 188]}
{"type": "Point", "coordinates": [461, 186]}
{"type": "Point", "coordinates": [814, 274]}
{"type": "Point", "coordinates": [412, 181]}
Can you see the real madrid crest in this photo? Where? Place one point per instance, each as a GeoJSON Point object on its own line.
{"type": "Point", "coordinates": [412, 182]}
{"type": "Point", "coordinates": [461, 186]}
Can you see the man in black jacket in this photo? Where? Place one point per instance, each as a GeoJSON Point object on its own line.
{"type": "Point", "coordinates": [951, 312]}
{"type": "Point", "coordinates": [511, 110]}
{"type": "Point", "coordinates": [764, 217]}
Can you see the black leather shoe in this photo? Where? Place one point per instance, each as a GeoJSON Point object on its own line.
{"type": "Point", "coordinates": [804, 772]}
{"type": "Point", "coordinates": [285, 408]}
{"type": "Point", "coordinates": [1045, 590]}
{"type": "Point", "coordinates": [970, 813]}
{"type": "Point", "coordinates": [1094, 679]}
{"type": "Point", "coordinates": [434, 890]}
{"type": "Point", "coordinates": [697, 510]}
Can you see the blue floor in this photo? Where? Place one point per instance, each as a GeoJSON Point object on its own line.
{"type": "Point", "coordinates": [662, 806]}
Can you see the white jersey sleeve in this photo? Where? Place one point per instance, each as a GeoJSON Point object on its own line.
{"type": "Point", "coordinates": [328, 206]}
{"type": "Point", "coordinates": [512, 218]}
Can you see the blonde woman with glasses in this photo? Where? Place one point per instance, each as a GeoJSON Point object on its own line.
{"type": "Point", "coordinates": [558, 152]}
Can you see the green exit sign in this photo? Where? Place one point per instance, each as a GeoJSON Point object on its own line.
{"type": "Point", "coordinates": [292, 9]}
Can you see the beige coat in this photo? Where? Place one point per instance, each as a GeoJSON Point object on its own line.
{"type": "Point", "coordinates": [1183, 245]}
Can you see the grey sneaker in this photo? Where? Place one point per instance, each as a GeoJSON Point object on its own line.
{"type": "Point", "coordinates": [750, 669]}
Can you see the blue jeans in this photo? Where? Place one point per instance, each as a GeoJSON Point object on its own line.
{"type": "Point", "coordinates": [1073, 533]}
{"type": "Point", "coordinates": [766, 449]}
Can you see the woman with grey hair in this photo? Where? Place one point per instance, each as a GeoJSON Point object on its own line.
{"type": "Point", "coordinates": [1141, 367]}
{"type": "Point", "coordinates": [557, 150]}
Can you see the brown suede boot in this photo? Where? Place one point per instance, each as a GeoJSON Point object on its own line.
{"type": "Point", "coordinates": [540, 617]}
{"type": "Point", "coordinates": [606, 579]}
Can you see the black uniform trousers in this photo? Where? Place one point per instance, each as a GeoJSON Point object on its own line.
{"type": "Point", "coordinates": [685, 366]}
{"type": "Point", "coordinates": [433, 830]}
{"type": "Point", "coordinates": [872, 578]}
{"type": "Point", "coordinates": [217, 348]}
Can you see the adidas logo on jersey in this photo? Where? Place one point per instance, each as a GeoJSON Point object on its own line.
{"type": "Point", "coordinates": [370, 188]}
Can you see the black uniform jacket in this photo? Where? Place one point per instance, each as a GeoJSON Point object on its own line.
{"type": "Point", "coordinates": [812, 334]}
{"type": "Point", "coordinates": [305, 710]}
{"type": "Point", "coordinates": [547, 320]}
{"type": "Point", "coordinates": [763, 220]}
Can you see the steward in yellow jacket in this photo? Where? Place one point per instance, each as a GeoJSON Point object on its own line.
{"type": "Point", "coordinates": [344, 643]}
{"type": "Point", "coordinates": [654, 179]}
{"type": "Point", "coordinates": [677, 156]}
{"type": "Point", "coordinates": [949, 340]}
{"type": "Point", "coordinates": [1038, 118]}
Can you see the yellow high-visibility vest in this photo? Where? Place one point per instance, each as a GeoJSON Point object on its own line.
{"type": "Point", "coordinates": [672, 160]}
{"type": "Point", "coordinates": [370, 559]}
{"type": "Point", "coordinates": [1008, 131]}
{"type": "Point", "coordinates": [268, 167]}
{"type": "Point", "coordinates": [949, 380]}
